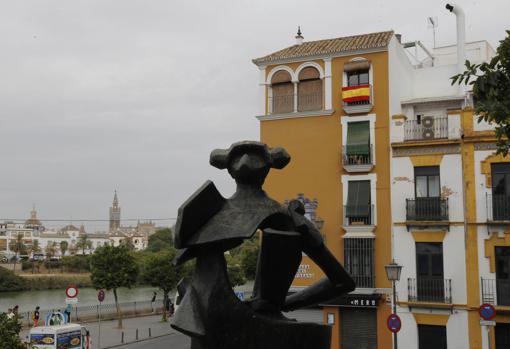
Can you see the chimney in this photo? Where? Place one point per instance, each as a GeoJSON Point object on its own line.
{"type": "Point", "coordinates": [399, 37]}
{"type": "Point", "coordinates": [461, 35]}
{"type": "Point", "coordinates": [299, 37]}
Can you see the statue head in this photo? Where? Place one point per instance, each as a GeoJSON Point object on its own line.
{"type": "Point", "coordinates": [249, 162]}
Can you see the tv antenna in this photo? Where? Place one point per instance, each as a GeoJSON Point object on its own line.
{"type": "Point", "coordinates": [432, 23]}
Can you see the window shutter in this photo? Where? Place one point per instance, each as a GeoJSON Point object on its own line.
{"type": "Point", "coordinates": [309, 73]}
{"type": "Point", "coordinates": [358, 199]}
{"type": "Point", "coordinates": [357, 65]}
{"type": "Point", "coordinates": [358, 138]}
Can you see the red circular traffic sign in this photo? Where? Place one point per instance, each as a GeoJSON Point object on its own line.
{"type": "Point", "coordinates": [71, 291]}
{"type": "Point", "coordinates": [487, 311]}
{"type": "Point", "coordinates": [100, 295]}
{"type": "Point", "coordinates": [394, 323]}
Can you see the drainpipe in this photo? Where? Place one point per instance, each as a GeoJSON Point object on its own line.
{"type": "Point", "coordinates": [461, 40]}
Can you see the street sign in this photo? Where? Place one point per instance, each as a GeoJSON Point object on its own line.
{"type": "Point", "coordinates": [240, 295]}
{"type": "Point", "coordinates": [100, 295]}
{"type": "Point", "coordinates": [487, 311]}
{"type": "Point", "coordinates": [71, 291]}
{"type": "Point", "coordinates": [71, 300]}
{"type": "Point", "coordinates": [487, 323]}
{"type": "Point", "coordinates": [394, 323]}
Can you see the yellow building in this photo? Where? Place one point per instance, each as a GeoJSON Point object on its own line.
{"type": "Point", "coordinates": [327, 102]}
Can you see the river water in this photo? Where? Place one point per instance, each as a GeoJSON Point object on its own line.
{"type": "Point", "coordinates": [55, 299]}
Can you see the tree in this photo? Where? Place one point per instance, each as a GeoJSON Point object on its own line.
{"type": "Point", "coordinates": [160, 240]}
{"type": "Point", "coordinates": [128, 242]}
{"type": "Point", "coordinates": [491, 91]}
{"type": "Point", "coordinates": [84, 243]}
{"type": "Point", "coordinates": [9, 332]}
{"type": "Point", "coordinates": [51, 249]}
{"type": "Point", "coordinates": [18, 247]}
{"type": "Point", "coordinates": [111, 268]}
{"type": "Point", "coordinates": [35, 247]}
{"type": "Point", "coordinates": [161, 273]}
{"type": "Point", "coordinates": [64, 246]}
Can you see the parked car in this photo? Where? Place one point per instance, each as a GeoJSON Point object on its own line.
{"type": "Point", "coordinates": [38, 257]}
{"type": "Point", "coordinates": [6, 256]}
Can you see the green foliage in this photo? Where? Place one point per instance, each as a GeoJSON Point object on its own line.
{"type": "Point", "coordinates": [160, 240]}
{"type": "Point", "coordinates": [76, 264]}
{"type": "Point", "coordinates": [235, 275]}
{"type": "Point", "coordinates": [249, 260]}
{"type": "Point", "coordinates": [9, 333]}
{"type": "Point", "coordinates": [113, 267]}
{"type": "Point", "coordinates": [84, 243]}
{"type": "Point", "coordinates": [160, 272]}
{"type": "Point", "coordinates": [55, 282]}
{"type": "Point", "coordinates": [10, 281]}
{"type": "Point", "coordinates": [491, 91]}
{"type": "Point", "coordinates": [64, 246]}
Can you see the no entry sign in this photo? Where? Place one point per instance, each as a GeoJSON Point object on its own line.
{"type": "Point", "coordinates": [394, 323]}
{"type": "Point", "coordinates": [71, 291]}
{"type": "Point", "coordinates": [487, 311]}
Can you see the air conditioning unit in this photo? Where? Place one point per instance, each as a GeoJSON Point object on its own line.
{"type": "Point", "coordinates": [427, 123]}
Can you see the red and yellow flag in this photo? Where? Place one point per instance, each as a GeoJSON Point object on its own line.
{"type": "Point", "coordinates": [356, 93]}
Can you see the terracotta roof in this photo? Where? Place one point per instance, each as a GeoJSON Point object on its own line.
{"type": "Point", "coordinates": [329, 46]}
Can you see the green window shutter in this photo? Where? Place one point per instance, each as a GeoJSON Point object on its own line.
{"type": "Point", "coordinates": [358, 138]}
{"type": "Point", "coordinates": [358, 199]}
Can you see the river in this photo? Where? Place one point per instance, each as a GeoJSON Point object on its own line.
{"type": "Point", "coordinates": [55, 299]}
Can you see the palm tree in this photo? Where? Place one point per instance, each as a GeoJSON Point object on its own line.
{"type": "Point", "coordinates": [84, 243]}
{"type": "Point", "coordinates": [51, 249]}
{"type": "Point", "coordinates": [64, 245]}
{"type": "Point", "coordinates": [17, 246]}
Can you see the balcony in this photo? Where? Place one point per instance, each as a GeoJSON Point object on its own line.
{"type": "Point", "coordinates": [357, 99]}
{"type": "Point", "coordinates": [427, 209]}
{"type": "Point", "coordinates": [428, 128]}
{"type": "Point", "coordinates": [498, 208]}
{"type": "Point", "coordinates": [359, 261]}
{"type": "Point", "coordinates": [353, 161]}
{"type": "Point", "coordinates": [358, 215]}
{"type": "Point", "coordinates": [496, 291]}
{"type": "Point", "coordinates": [429, 290]}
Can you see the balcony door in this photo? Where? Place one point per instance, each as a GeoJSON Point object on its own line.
{"type": "Point", "coordinates": [427, 193]}
{"type": "Point", "coordinates": [503, 275]}
{"type": "Point", "coordinates": [501, 191]}
{"type": "Point", "coordinates": [358, 143]}
{"type": "Point", "coordinates": [358, 208]}
{"type": "Point", "coordinates": [429, 272]}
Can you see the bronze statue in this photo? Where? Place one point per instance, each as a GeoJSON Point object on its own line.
{"type": "Point", "coordinates": [208, 225]}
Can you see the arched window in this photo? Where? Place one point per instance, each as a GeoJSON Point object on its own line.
{"type": "Point", "coordinates": [309, 90]}
{"type": "Point", "coordinates": [282, 93]}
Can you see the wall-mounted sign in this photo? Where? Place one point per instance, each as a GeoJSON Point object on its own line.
{"type": "Point", "coordinates": [354, 301]}
{"type": "Point", "coordinates": [304, 272]}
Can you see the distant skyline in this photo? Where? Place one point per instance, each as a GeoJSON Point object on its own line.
{"type": "Point", "coordinates": [133, 95]}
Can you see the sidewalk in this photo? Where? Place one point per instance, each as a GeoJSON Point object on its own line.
{"type": "Point", "coordinates": [112, 336]}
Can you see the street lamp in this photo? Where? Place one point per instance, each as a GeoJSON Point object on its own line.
{"type": "Point", "coordinates": [393, 273]}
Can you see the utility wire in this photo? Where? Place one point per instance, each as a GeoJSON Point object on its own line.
{"type": "Point", "coordinates": [89, 220]}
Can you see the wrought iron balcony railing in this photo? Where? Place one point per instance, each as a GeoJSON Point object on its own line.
{"type": "Point", "coordinates": [359, 214]}
{"type": "Point", "coordinates": [351, 155]}
{"type": "Point", "coordinates": [309, 101]}
{"type": "Point", "coordinates": [427, 209]}
{"type": "Point", "coordinates": [498, 207]}
{"type": "Point", "coordinates": [496, 291]}
{"type": "Point", "coordinates": [429, 127]}
{"type": "Point", "coordinates": [430, 290]}
{"type": "Point", "coordinates": [359, 261]}
{"type": "Point", "coordinates": [282, 104]}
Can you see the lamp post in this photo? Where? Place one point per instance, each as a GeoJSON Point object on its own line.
{"type": "Point", "coordinates": [393, 273]}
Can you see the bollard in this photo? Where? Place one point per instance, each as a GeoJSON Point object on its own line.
{"type": "Point", "coordinates": [150, 332]}
{"type": "Point", "coordinates": [136, 334]}
{"type": "Point", "coordinates": [122, 337]}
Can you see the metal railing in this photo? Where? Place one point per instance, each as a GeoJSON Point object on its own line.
{"type": "Point", "coordinates": [282, 104]}
{"type": "Point", "coordinates": [364, 102]}
{"type": "Point", "coordinates": [310, 101]}
{"type": "Point", "coordinates": [351, 157]}
{"type": "Point", "coordinates": [359, 261]}
{"type": "Point", "coordinates": [498, 207]}
{"type": "Point", "coordinates": [108, 311]}
{"type": "Point", "coordinates": [427, 209]}
{"type": "Point", "coordinates": [429, 290]}
{"type": "Point", "coordinates": [359, 214]}
{"type": "Point", "coordinates": [496, 291]}
{"type": "Point", "coordinates": [426, 128]}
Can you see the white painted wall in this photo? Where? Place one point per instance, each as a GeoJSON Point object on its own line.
{"type": "Point", "coordinates": [476, 52]}
{"type": "Point", "coordinates": [401, 76]}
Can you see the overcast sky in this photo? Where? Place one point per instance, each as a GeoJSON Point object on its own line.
{"type": "Point", "coordinates": [99, 95]}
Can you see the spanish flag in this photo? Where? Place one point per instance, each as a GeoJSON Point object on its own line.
{"type": "Point", "coordinates": [356, 93]}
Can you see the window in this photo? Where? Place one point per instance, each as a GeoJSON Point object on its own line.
{"type": "Point", "coordinates": [427, 204]}
{"type": "Point", "coordinates": [309, 90]}
{"type": "Point", "coordinates": [430, 336]}
{"type": "Point", "coordinates": [357, 77]}
{"type": "Point", "coordinates": [282, 92]}
{"type": "Point", "coordinates": [502, 336]}
{"type": "Point", "coordinates": [430, 284]}
{"type": "Point", "coordinates": [503, 275]}
{"type": "Point", "coordinates": [501, 191]}
{"type": "Point", "coordinates": [358, 209]}
{"type": "Point", "coordinates": [358, 143]}
{"type": "Point", "coordinates": [359, 261]}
